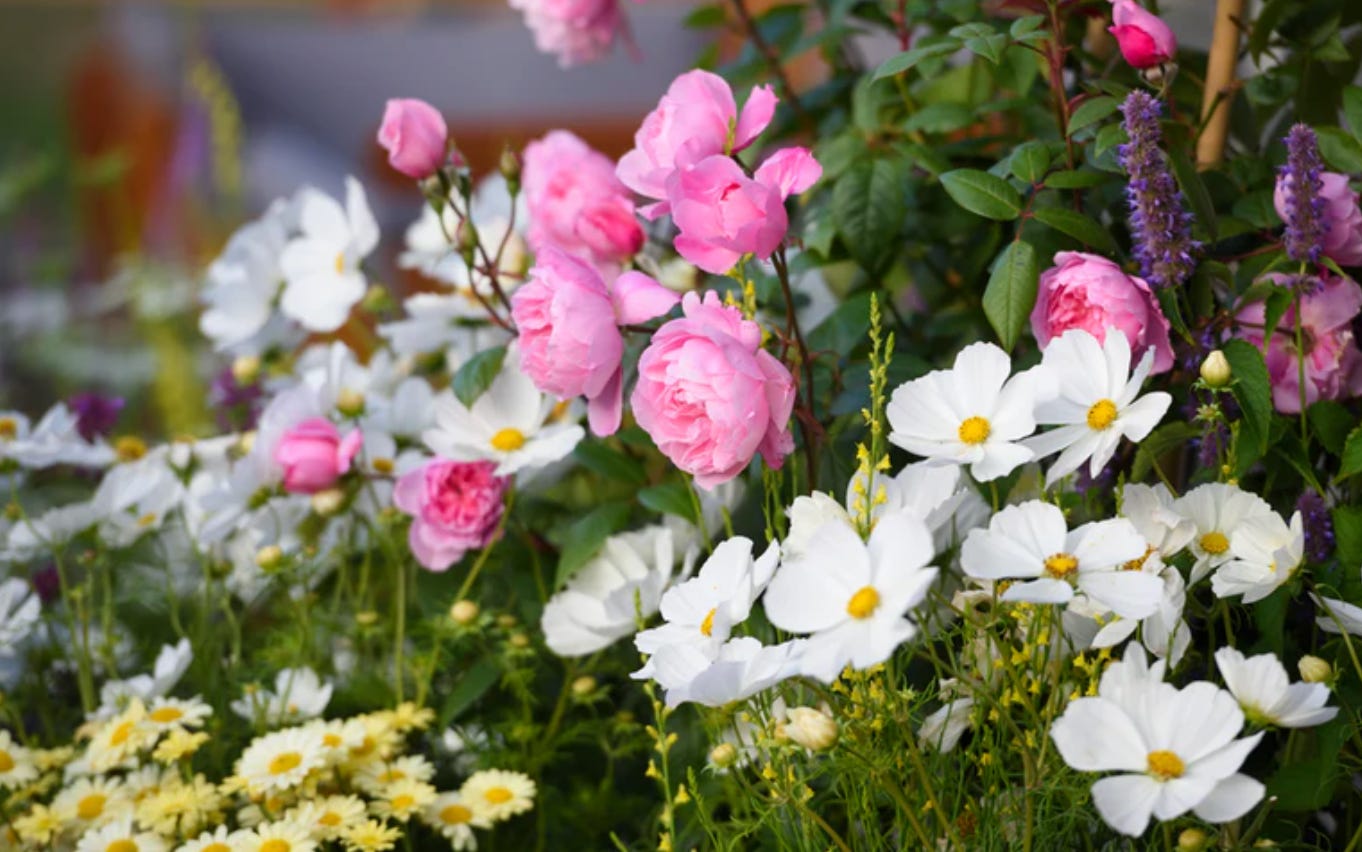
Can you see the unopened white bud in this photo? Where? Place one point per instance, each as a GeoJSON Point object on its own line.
{"type": "Point", "coordinates": [1215, 370]}
{"type": "Point", "coordinates": [813, 729]}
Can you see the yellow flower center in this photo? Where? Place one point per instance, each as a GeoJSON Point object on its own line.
{"type": "Point", "coordinates": [147, 520]}
{"type": "Point", "coordinates": [340, 263]}
{"type": "Point", "coordinates": [384, 465]}
{"type": "Point", "coordinates": [1137, 564]}
{"type": "Point", "coordinates": [1215, 543]}
{"type": "Point", "coordinates": [274, 844]}
{"type": "Point", "coordinates": [6, 761]}
{"type": "Point", "coordinates": [508, 440]}
{"type": "Point", "coordinates": [403, 802]}
{"type": "Point", "coordinates": [559, 410]}
{"type": "Point", "coordinates": [130, 448]}
{"type": "Point", "coordinates": [166, 715]}
{"type": "Point", "coordinates": [9, 428]}
{"type": "Point", "coordinates": [331, 740]}
{"type": "Point", "coordinates": [455, 815]}
{"type": "Point", "coordinates": [121, 846]}
{"type": "Point", "coordinates": [1060, 565]}
{"type": "Point", "coordinates": [330, 819]}
{"type": "Point", "coordinates": [366, 746]}
{"type": "Point", "coordinates": [864, 603]}
{"type": "Point", "coordinates": [121, 734]}
{"type": "Point", "coordinates": [707, 626]}
{"type": "Point", "coordinates": [1101, 415]}
{"type": "Point", "coordinates": [390, 775]}
{"type": "Point", "coordinates": [217, 847]}
{"type": "Point", "coordinates": [286, 762]}
{"type": "Point", "coordinates": [91, 806]}
{"type": "Point", "coordinates": [1165, 766]}
{"type": "Point", "coordinates": [975, 430]}
{"type": "Point", "coordinates": [498, 795]}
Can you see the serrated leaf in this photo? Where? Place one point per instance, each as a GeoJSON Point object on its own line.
{"type": "Point", "coordinates": [1023, 27]}
{"type": "Point", "coordinates": [1253, 389]}
{"type": "Point", "coordinates": [1107, 138]}
{"type": "Point", "coordinates": [1081, 227]}
{"type": "Point", "coordinates": [476, 374]}
{"type": "Point", "coordinates": [928, 49]}
{"type": "Point", "coordinates": [990, 47]}
{"type": "Point", "coordinates": [1351, 463]}
{"type": "Point", "coordinates": [1011, 291]}
{"type": "Point", "coordinates": [983, 194]}
{"type": "Point", "coordinates": [1030, 161]}
{"type": "Point", "coordinates": [1331, 423]}
{"type": "Point", "coordinates": [669, 498]}
{"type": "Point", "coordinates": [1090, 112]}
{"type": "Point", "coordinates": [584, 537]}
{"type": "Point", "coordinates": [870, 204]}
{"type": "Point", "coordinates": [1340, 150]}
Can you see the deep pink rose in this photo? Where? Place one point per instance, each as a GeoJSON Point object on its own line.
{"type": "Point", "coordinates": [1333, 364]}
{"type": "Point", "coordinates": [1145, 40]}
{"type": "Point", "coordinates": [568, 321]}
{"type": "Point", "coordinates": [1092, 293]}
{"type": "Point", "coordinates": [576, 203]}
{"type": "Point", "coordinates": [710, 397]}
{"type": "Point", "coordinates": [414, 133]}
{"type": "Point", "coordinates": [697, 118]}
{"type": "Point", "coordinates": [575, 31]}
{"type": "Point", "coordinates": [455, 508]}
{"type": "Point", "coordinates": [314, 455]}
{"type": "Point", "coordinates": [1343, 218]}
{"type": "Point", "coordinates": [722, 214]}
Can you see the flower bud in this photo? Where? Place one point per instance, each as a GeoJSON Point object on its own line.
{"type": "Point", "coordinates": [366, 618]}
{"type": "Point", "coordinates": [1315, 670]}
{"type": "Point", "coordinates": [519, 640]}
{"type": "Point", "coordinates": [246, 369]}
{"type": "Point", "coordinates": [463, 612]}
{"type": "Point", "coordinates": [1192, 840]}
{"type": "Point", "coordinates": [269, 557]}
{"type": "Point", "coordinates": [328, 502]}
{"type": "Point", "coordinates": [467, 237]}
{"type": "Point", "coordinates": [510, 169]}
{"type": "Point", "coordinates": [246, 443]}
{"type": "Point", "coordinates": [414, 134]}
{"type": "Point", "coordinates": [350, 402]}
{"type": "Point", "coordinates": [506, 621]}
{"type": "Point", "coordinates": [583, 686]}
{"type": "Point", "coordinates": [723, 755]}
{"type": "Point", "coordinates": [1215, 370]}
{"type": "Point", "coordinates": [376, 299]}
{"type": "Point", "coordinates": [813, 729]}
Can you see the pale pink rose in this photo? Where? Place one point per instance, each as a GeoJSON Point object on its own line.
{"type": "Point", "coordinates": [695, 119]}
{"type": "Point", "coordinates": [1333, 364]}
{"type": "Point", "coordinates": [576, 203]}
{"type": "Point", "coordinates": [314, 455]}
{"type": "Point", "coordinates": [1092, 293]}
{"type": "Point", "coordinates": [575, 31]}
{"type": "Point", "coordinates": [568, 322]}
{"type": "Point", "coordinates": [1342, 217]}
{"type": "Point", "coordinates": [1145, 40]}
{"type": "Point", "coordinates": [710, 397]}
{"type": "Point", "coordinates": [414, 133]}
{"type": "Point", "coordinates": [722, 214]}
{"type": "Point", "coordinates": [455, 507]}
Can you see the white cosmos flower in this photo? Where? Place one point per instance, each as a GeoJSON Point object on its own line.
{"type": "Point", "coordinates": [741, 668]}
{"type": "Point", "coordinates": [1096, 405]}
{"type": "Point", "coordinates": [171, 664]}
{"type": "Point", "coordinates": [1218, 511]}
{"type": "Point", "coordinates": [20, 610]}
{"type": "Point", "coordinates": [135, 498]}
{"type": "Point", "coordinates": [1338, 616]}
{"type": "Point", "coordinates": [1266, 553]}
{"type": "Point", "coordinates": [440, 321]}
{"type": "Point", "coordinates": [1154, 512]}
{"type": "Point", "coordinates": [970, 414]}
{"type": "Point", "coordinates": [509, 424]}
{"type": "Point", "coordinates": [1266, 694]}
{"type": "Point", "coordinates": [242, 284]}
{"type": "Point", "coordinates": [54, 440]}
{"type": "Point", "coordinates": [321, 265]}
{"type": "Point", "coordinates": [1031, 542]}
{"type": "Point", "coordinates": [943, 729]}
{"type": "Point", "coordinates": [299, 694]}
{"type": "Point", "coordinates": [430, 250]}
{"type": "Point", "coordinates": [703, 610]}
{"type": "Point", "coordinates": [852, 595]}
{"type": "Point", "coordinates": [1175, 748]}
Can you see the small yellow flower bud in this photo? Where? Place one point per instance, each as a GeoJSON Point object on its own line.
{"type": "Point", "coordinates": [1315, 670]}
{"type": "Point", "coordinates": [813, 729]}
{"type": "Point", "coordinates": [1192, 840]}
{"type": "Point", "coordinates": [723, 755]}
{"type": "Point", "coordinates": [328, 502]}
{"type": "Point", "coordinates": [1215, 370]}
{"type": "Point", "coordinates": [509, 165]}
{"type": "Point", "coordinates": [506, 621]}
{"type": "Point", "coordinates": [246, 443]}
{"type": "Point", "coordinates": [366, 618]}
{"type": "Point", "coordinates": [376, 299]}
{"type": "Point", "coordinates": [583, 686]}
{"type": "Point", "coordinates": [269, 557]}
{"type": "Point", "coordinates": [246, 369]}
{"type": "Point", "coordinates": [519, 640]}
{"type": "Point", "coordinates": [463, 612]}
{"type": "Point", "coordinates": [350, 402]}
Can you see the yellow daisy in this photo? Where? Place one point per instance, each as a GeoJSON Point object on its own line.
{"type": "Point", "coordinates": [339, 736]}
{"type": "Point", "coordinates": [92, 801]}
{"type": "Point", "coordinates": [371, 836]}
{"type": "Point", "coordinates": [16, 763]}
{"type": "Point", "coordinates": [497, 794]}
{"type": "Point", "coordinates": [180, 807]}
{"type": "Point", "coordinates": [38, 826]}
{"type": "Point", "coordinates": [380, 741]}
{"type": "Point", "coordinates": [407, 716]}
{"type": "Point", "coordinates": [280, 760]}
{"type": "Point", "coordinates": [375, 776]}
{"type": "Point", "coordinates": [401, 800]}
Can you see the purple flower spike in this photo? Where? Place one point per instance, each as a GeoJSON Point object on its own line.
{"type": "Point", "coordinates": [95, 413]}
{"type": "Point", "coordinates": [1318, 525]}
{"type": "Point", "coordinates": [1159, 222]}
{"type": "Point", "coordinates": [1303, 188]}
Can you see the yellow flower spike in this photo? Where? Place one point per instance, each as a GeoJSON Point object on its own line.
{"type": "Point", "coordinates": [768, 773]}
{"type": "Point", "coordinates": [664, 842]}
{"type": "Point", "coordinates": [651, 771]}
{"type": "Point", "coordinates": [682, 797]}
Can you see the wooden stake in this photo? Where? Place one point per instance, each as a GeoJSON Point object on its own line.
{"type": "Point", "coordinates": [1220, 83]}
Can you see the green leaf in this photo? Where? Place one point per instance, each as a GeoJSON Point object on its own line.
{"type": "Point", "coordinates": [870, 205]}
{"type": "Point", "coordinates": [669, 498]}
{"type": "Point", "coordinates": [477, 373]}
{"type": "Point", "coordinates": [1075, 179]}
{"type": "Point", "coordinates": [1091, 111]}
{"type": "Point", "coordinates": [1011, 291]}
{"type": "Point", "coordinates": [845, 328]}
{"type": "Point", "coordinates": [1331, 423]}
{"type": "Point", "coordinates": [1077, 225]}
{"type": "Point", "coordinates": [706, 17]}
{"type": "Point", "coordinates": [1308, 783]}
{"type": "Point", "coordinates": [1348, 533]}
{"type": "Point", "coordinates": [940, 118]}
{"type": "Point", "coordinates": [1030, 161]}
{"type": "Point", "coordinates": [473, 684]}
{"type": "Point", "coordinates": [1341, 151]}
{"type": "Point", "coordinates": [585, 536]}
{"type": "Point", "coordinates": [989, 47]}
{"type": "Point", "coordinates": [599, 457]}
{"type": "Point", "coordinates": [1352, 109]}
{"type": "Point", "coordinates": [929, 48]}
{"type": "Point", "coordinates": [982, 193]}
{"type": "Point", "coordinates": [1198, 197]}
{"type": "Point", "coordinates": [1023, 27]}
{"type": "Point", "coordinates": [1351, 456]}
{"type": "Point", "coordinates": [1166, 438]}
{"type": "Point", "coordinates": [1253, 389]}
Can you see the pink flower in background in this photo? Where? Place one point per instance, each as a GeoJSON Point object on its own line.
{"type": "Point", "coordinates": [723, 214]}
{"type": "Point", "coordinates": [695, 119]}
{"type": "Point", "coordinates": [568, 321]}
{"type": "Point", "coordinates": [710, 397]}
{"type": "Point", "coordinates": [414, 134]}
{"type": "Point", "coordinates": [1092, 293]}
{"type": "Point", "coordinates": [576, 203]}
{"type": "Point", "coordinates": [455, 508]}
{"type": "Point", "coordinates": [1333, 364]}
{"type": "Point", "coordinates": [1343, 218]}
{"type": "Point", "coordinates": [576, 31]}
{"type": "Point", "coordinates": [314, 455]}
{"type": "Point", "coordinates": [1145, 40]}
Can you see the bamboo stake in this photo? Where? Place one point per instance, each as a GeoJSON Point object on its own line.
{"type": "Point", "coordinates": [1220, 83]}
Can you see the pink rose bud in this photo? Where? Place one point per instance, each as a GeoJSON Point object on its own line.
{"type": "Point", "coordinates": [697, 118]}
{"type": "Point", "coordinates": [414, 134]}
{"type": "Point", "coordinates": [455, 508]}
{"type": "Point", "coordinates": [1092, 293]}
{"type": "Point", "coordinates": [710, 397]}
{"type": "Point", "coordinates": [1145, 40]}
{"type": "Point", "coordinates": [1341, 216]}
{"type": "Point", "coordinates": [568, 321]}
{"type": "Point", "coordinates": [314, 455]}
{"type": "Point", "coordinates": [577, 204]}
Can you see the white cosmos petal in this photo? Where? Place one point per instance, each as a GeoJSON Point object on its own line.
{"type": "Point", "coordinates": [1130, 594]}
{"type": "Point", "coordinates": [881, 637]}
{"type": "Point", "coordinates": [1230, 799]}
{"type": "Point", "coordinates": [827, 653]}
{"type": "Point", "coordinates": [1140, 417]}
{"type": "Point", "coordinates": [987, 555]}
{"type": "Point", "coordinates": [1180, 795]}
{"type": "Point", "coordinates": [1000, 460]}
{"type": "Point", "coordinates": [1096, 735]}
{"type": "Point", "coordinates": [1105, 544]}
{"type": "Point", "coordinates": [1103, 449]}
{"type": "Point", "coordinates": [987, 367]}
{"type": "Point", "coordinates": [1132, 388]}
{"type": "Point", "coordinates": [1074, 455]}
{"type": "Point", "coordinates": [1126, 801]}
{"type": "Point", "coordinates": [1044, 590]}
{"type": "Point", "coordinates": [1048, 443]}
{"type": "Point", "coordinates": [804, 595]}
{"type": "Point", "coordinates": [1198, 721]}
{"type": "Point", "coordinates": [363, 229]}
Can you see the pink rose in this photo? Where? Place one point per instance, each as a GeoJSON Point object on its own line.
{"type": "Point", "coordinates": [1343, 235]}
{"type": "Point", "coordinates": [455, 507]}
{"type": "Point", "coordinates": [722, 214]}
{"type": "Point", "coordinates": [710, 397]}
{"type": "Point", "coordinates": [1092, 293]}
{"type": "Point", "coordinates": [576, 203]}
{"type": "Point", "coordinates": [414, 133]}
{"type": "Point", "coordinates": [1333, 364]}
{"type": "Point", "coordinates": [576, 31]}
{"type": "Point", "coordinates": [568, 322]}
{"type": "Point", "coordinates": [314, 455]}
{"type": "Point", "coordinates": [697, 118]}
{"type": "Point", "coordinates": [1145, 40]}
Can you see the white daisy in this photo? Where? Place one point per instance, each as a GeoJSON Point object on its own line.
{"type": "Point", "coordinates": [136, 498]}
{"type": "Point", "coordinates": [1096, 405]}
{"type": "Point", "coordinates": [218, 840]}
{"type": "Point", "coordinates": [120, 836]}
{"type": "Point", "coordinates": [16, 763]}
{"type": "Point", "coordinates": [171, 663]}
{"type": "Point", "coordinates": [328, 818]}
{"type": "Point", "coordinates": [453, 818]}
{"type": "Point", "coordinates": [1265, 693]}
{"type": "Point", "coordinates": [497, 794]}
{"type": "Point", "coordinates": [1218, 511]}
{"type": "Point", "coordinates": [298, 695]}
{"type": "Point", "coordinates": [970, 414]}
{"type": "Point", "coordinates": [282, 836]}
{"type": "Point", "coordinates": [1265, 554]}
{"type": "Point", "coordinates": [741, 668]}
{"type": "Point", "coordinates": [853, 596]}
{"type": "Point", "coordinates": [281, 760]}
{"type": "Point", "coordinates": [20, 610]}
{"type": "Point", "coordinates": [321, 265]}
{"type": "Point", "coordinates": [167, 713]}
{"type": "Point", "coordinates": [1031, 542]}
{"type": "Point", "coordinates": [54, 440]}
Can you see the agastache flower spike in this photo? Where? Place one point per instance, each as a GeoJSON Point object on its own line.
{"type": "Point", "coordinates": [1319, 526]}
{"type": "Point", "coordinates": [1159, 221]}
{"type": "Point", "coordinates": [1303, 187]}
